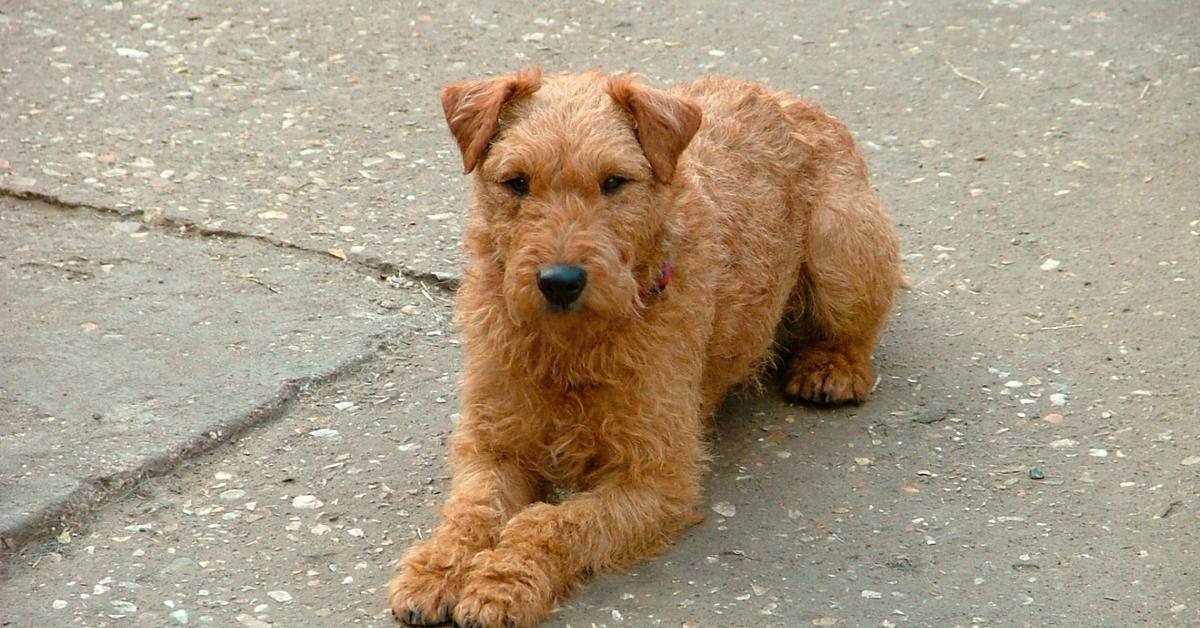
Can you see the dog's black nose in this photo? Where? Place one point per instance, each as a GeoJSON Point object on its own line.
{"type": "Point", "coordinates": [562, 284]}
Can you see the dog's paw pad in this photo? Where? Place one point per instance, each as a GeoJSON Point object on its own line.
{"type": "Point", "coordinates": [827, 377]}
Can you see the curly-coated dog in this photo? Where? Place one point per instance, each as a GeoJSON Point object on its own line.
{"type": "Point", "coordinates": [632, 254]}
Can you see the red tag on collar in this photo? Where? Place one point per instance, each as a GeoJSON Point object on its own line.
{"type": "Point", "coordinates": [664, 280]}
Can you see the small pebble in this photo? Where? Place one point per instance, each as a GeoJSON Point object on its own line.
{"type": "Point", "coordinates": [725, 509]}
{"type": "Point", "coordinates": [280, 596]}
{"type": "Point", "coordinates": [123, 606]}
{"type": "Point", "coordinates": [1035, 473]}
{"type": "Point", "coordinates": [132, 53]}
{"type": "Point", "coordinates": [307, 502]}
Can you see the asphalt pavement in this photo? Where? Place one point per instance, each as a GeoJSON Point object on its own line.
{"type": "Point", "coordinates": [229, 240]}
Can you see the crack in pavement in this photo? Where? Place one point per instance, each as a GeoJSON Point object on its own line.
{"type": "Point", "coordinates": [92, 493]}
{"type": "Point", "coordinates": [40, 526]}
{"type": "Point", "coordinates": [371, 266]}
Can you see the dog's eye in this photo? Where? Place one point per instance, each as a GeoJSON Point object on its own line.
{"type": "Point", "coordinates": [519, 185]}
{"type": "Point", "coordinates": [612, 184]}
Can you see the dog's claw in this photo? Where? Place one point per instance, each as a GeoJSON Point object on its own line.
{"type": "Point", "coordinates": [414, 617]}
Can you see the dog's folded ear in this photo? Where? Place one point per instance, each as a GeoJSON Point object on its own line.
{"type": "Point", "coordinates": [665, 123]}
{"type": "Point", "coordinates": [473, 109]}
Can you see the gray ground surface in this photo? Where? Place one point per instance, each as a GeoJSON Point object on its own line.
{"type": "Point", "coordinates": [238, 200]}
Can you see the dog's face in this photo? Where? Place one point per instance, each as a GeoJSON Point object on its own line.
{"type": "Point", "coordinates": [573, 188]}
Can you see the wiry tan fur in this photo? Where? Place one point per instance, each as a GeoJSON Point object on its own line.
{"type": "Point", "coordinates": [760, 202]}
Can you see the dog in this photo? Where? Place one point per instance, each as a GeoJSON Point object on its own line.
{"type": "Point", "coordinates": [632, 255]}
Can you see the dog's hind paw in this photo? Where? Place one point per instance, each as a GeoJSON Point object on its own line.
{"type": "Point", "coordinates": [825, 376]}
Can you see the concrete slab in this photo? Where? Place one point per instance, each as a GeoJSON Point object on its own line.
{"type": "Point", "coordinates": [319, 123]}
{"type": "Point", "coordinates": [126, 348]}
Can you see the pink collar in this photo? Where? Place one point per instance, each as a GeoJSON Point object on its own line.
{"type": "Point", "coordinates": [664, 280]}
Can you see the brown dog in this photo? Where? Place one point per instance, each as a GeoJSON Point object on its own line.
{"type": "Point", "coordinates": [633, 253]}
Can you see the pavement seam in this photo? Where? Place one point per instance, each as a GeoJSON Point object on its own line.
{"type": "Point", "coordinates": [96, 492]}
{"type": "Point", "coordinates": [370, 266]}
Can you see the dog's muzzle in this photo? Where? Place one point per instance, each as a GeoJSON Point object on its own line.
{"type": "Point", "coordinates": [562, 284]}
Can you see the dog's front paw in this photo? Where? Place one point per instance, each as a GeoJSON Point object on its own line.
{"type": "Point", "coordinates": [427, 587]}
{"type": "Point", "coordinates": [503, 592]}
{"type": "Point", "coordinates": [823, 376]}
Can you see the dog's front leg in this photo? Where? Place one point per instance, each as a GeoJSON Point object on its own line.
{"type": "Point", "coordinates": [545, 549]}
{"type": "Point", "coordinates": [484, 494]}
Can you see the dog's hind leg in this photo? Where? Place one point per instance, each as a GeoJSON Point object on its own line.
{"type": "Point", "coordinates": [850, 273]}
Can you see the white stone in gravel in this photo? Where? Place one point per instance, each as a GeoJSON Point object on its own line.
{"type": "Point", "coordinates": [323, 433]}
{"type": "Point", "coordinates": [59, 604]}
{"type": "Point", "coordinates": [252, 622]}
{"type": "Point", "coordinates": [132, 53]}
{"type": "Point", "coordinates": [232, 494]}
{"type": "Point", "coordinates": [1051, 264]}
{"type": "Point", "coordinates": [222, 475]}
{"type": "Point", "coordinates": [123, 606]}
{"type": "Point", "coordinates": [725, 509]}
{"type": "Point", "coordinates": [307, 502]}
{"type": "Point", "coordinates": [280, 596]}
{"type": "Point", "coordinates": [1190, 460]}
{"type": "Point", "coordinates": [344, 405]}
{"type": "Point", "coordinates": [180, 616]}
{"type": "Point", "coordinates": [1096, 452]}
{"type": "Point", "coordinates": [1064, 443]}
{"type": "Point", "coordinates": [872, 595]}
{"type": "Point", "coordinates": [355, 532]}
{"type": "Point", "coordinates": [1058, 399]}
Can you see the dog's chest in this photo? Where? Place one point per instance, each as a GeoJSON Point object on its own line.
{"type": "Point", "coordinates": [569, 446]}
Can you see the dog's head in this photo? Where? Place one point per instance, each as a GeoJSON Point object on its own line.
{"type": "Point", "coordinates": [574, 188]}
